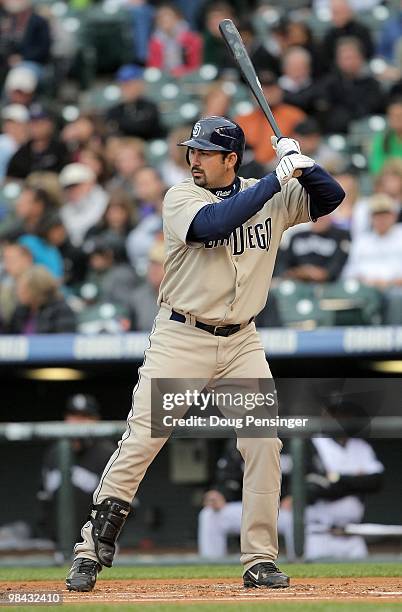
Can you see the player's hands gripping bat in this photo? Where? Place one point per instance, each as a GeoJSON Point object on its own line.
{"type": "Point", "coordinates": [237, 49]}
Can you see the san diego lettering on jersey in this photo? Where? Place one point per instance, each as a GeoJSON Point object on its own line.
{"type": "Point", "coordinates": [257, 236]}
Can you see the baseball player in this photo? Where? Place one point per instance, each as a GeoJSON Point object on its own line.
{"type": "Point", "coordinates": [222, 233]}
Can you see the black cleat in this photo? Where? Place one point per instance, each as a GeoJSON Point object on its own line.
{"type": "Point", "coordinates": [82, 575]}
{"type": "Point", "coordinates": [266, 575]}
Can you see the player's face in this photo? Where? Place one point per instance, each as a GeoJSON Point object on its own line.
{"type": "Point", "coordinates": [211, 169]}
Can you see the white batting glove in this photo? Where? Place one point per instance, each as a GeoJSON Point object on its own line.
{"type": "Point", "coordinates": [289, 164]}
{"type": "Point", "coordinates": [284, 146]}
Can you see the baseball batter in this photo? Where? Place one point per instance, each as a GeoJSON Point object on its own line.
{"type": "Point", "coordinates": [222, 234]}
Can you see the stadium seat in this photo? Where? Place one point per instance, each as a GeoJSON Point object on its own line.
{"type": "Point", "coordinates": [350, 302]}
{"type": "Point", "coordinates": [299, 306]}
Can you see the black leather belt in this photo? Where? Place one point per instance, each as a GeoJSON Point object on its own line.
{"type": "Point", "coordinates": [216, 330]}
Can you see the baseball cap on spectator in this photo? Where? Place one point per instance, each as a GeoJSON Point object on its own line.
{"type": "Point", "coordinates": [15, 112]}
{"type": "Point", "coordinates": [21, 79]}
{"type": "Point", "coordinates": [75, 174]}
{"type": "Point", "coordinates": [381, 202]}
{"type": "Point", "coordinates": [39, 111]}
{"type": "Point", "coordinates": [85, 405]}
{"type": "Point", "coordinates": [129, 72]}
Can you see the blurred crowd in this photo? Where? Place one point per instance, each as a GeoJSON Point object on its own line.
{"type": "Point", "coordinates": [84, 166]}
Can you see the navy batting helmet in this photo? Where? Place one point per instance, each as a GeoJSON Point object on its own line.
{"type": "Point", "coordinates": [217, 134]}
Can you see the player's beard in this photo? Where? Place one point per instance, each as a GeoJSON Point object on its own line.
{"type": "Point", "coordinates": [200, 180]}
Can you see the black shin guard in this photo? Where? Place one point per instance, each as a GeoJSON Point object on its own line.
{"type": "Point", "coordinates": [107, 520]}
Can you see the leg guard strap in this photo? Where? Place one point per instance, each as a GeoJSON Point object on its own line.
{"type": "Point", "coordinates": [107, 520]}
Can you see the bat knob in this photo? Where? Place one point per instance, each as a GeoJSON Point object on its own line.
{"type": "Point", "coordinates": [297, 173]}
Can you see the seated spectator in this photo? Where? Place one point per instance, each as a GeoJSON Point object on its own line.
{"type": "Point", "coordinates": [20, 86]}
{"type": "Point", "coordinates": [78, 135]}
{"type": "Point", "coordinates": [117, 221]}
{"type": "Point", "coordinates": [27, 34]}
{"type": "Point", "coordinates": [390, 37]}
{"type": "Point", "coordinates": [16, 259]}
{"type": "Point", "coordinates": [317, 254]}
{"type": "Point", "coordinates": [143, 300]}
{"type": "Point", "coordinates": [215, 50]}
{"type": "Point", "coordinates": [255, 126]}
{"type": "Point", "coordinates": [141, 15]}
{"type": "Point", "coordinates": [128, 158]}
{"type": "Point", "coordinates": [309, 136]}
{"type": "Point", "coordinates": [74, 258]}
{"type": "Point", "coordinates": [173, 47]}
{"type": "Point", "coordinates": [49, 182]}
{"type": "Point", "coordinates": [296, 80]}
{"type": "Point", "coordinates": [14, 134]}
{"type": "Point", "coordinates": [135, 115]}
{"type": "Point", "coordinates": [329, 505]}
{"type": "Point", "coordinates": [345, 24]}
{"type": "Point", "coordinates": [41, 307]}
{"type": "Point", "coordinates": [388, 144]}
{"type": "Point", "coordinates": [150, 190]}
{"type": "Point", "coordinates": [43, 151]}
{"type": "Point", "coordinates": [297, 33]}
{"type": "Point", "coordinates": [94, 157]}
{"type": "Point", "coordinates": [84, 201]}
{"type": "Point", "coordinates": [43, 253]}
{"type": "Point", "coordinates": [30, 208]}
{"type": "Point", "coordinates": [389, 181]}
{"type": "Point", "coordinates": [175, 167]}
{"type": "Point", "coordinates": [376, 256]}
{"type": "Point", "coordinates": [349, 92]}
{"type": "Point", "coordinates": [89, 457]}
{"type": "Point", "coordinates": [112, 279]}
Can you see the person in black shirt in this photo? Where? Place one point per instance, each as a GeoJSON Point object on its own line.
{"type": "Point", "coordinates": [135, 115]}
{"type": "Point", "coordinates": [43, 151]}
{"type": "Point", "coordinates": [317, 254]}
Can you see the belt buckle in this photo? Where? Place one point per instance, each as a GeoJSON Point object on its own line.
{"type": "Point", "coordinates": [225, 333]}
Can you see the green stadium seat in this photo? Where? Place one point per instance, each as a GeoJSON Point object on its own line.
{"type": "Point", "coordinates": [350, 302]}
{"type": "Point", "coordinates": [299, 307]}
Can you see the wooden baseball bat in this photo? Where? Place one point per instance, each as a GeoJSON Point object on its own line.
{"type": "Point", "coordinates": [237, 49]}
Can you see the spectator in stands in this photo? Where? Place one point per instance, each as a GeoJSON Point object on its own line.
{"type": "Point", "coordinates": [113, 279]}
{"type": "Point", "coordinates": [150, 191]}
{"type": "Point", "coordinates": [117, 222]}
{"type": "Point", "coordinates": [389, 181]}
{"type": "Point", "coordinates": [175, 167]}
{"type": "Point", "coordinates": [256, 128]}
{"type": "Point", "coordinates": [43, 151]}
{"type": "Point", "coordinates": [90, 456]}
{"type": "Point", "coordinates": [41, 307]}
{"type": "Point", "coordinates": [376, 256]}
{"type": "Point", "coordinates": [143, 300]}
{"type": "Point", "coordinates": [135, 115]}
{"type": "Point", "coordinates": [84, 201]}
{"type": "Point", "coordinates": [308, 134]}
{"type": "Point", "coordinates": [43, 253]}
{"type": "Point", "coordinates": [74, 258]}
{"type": "Point", "coordinates": [27, 34]}
{"type": "Point", "coordinates": [317, 254]}
{"type": "Point", "coordinates": [215, 51]}
{"type": "Point", "coordinates": [298, 33]}
{"type": "Point", "coordinates": [20, 86]}
{"type": "Point", "coordinates": [79, 134]}
{"type": "Point", "coordinates": [14, 133]}
{"type": "Point", "coordinates": [388, 144]}
{"type": "Point", "coordinates": [142, 16]}
{"type": "Point", "coordinates": [296, 80]}
{"type": "Point", "coordinates": [390, 37]}
{"type": "Point", "coordinates": [173, 47]}
{"type": "Point", "coordinates": [30, 208]}
{"type": "Point", "coordinates": [49, 182]}
{"type": "Point", "coordinates": [94, 157]}
{"type": "Point", "coordinates": [349, 92]}
{"type": "Point", "coordinates": [128, 158]}
{"type": "Point", "coordinates": [345, 25]}
{"type": "Point", "coordinates": [16, 259]}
